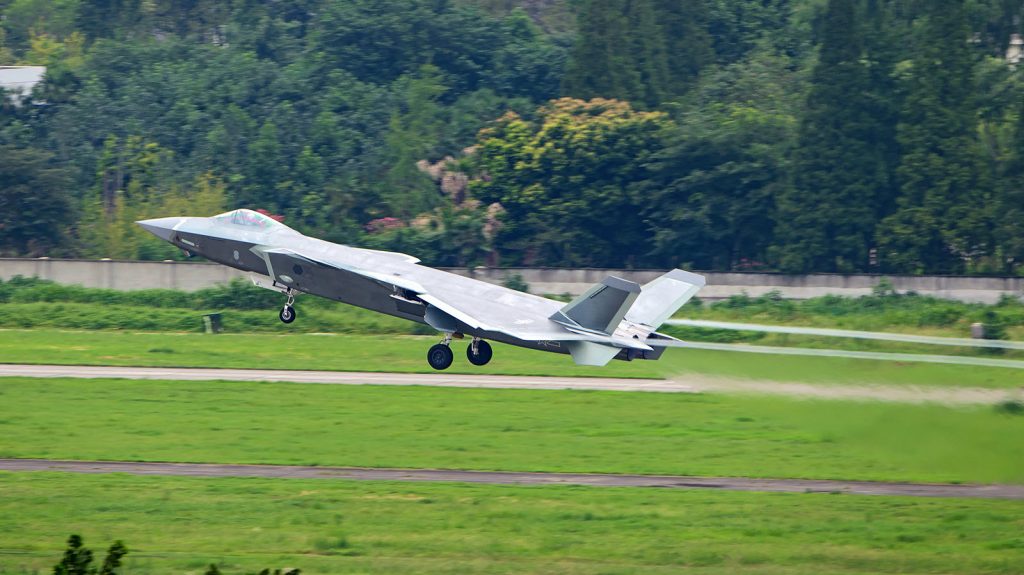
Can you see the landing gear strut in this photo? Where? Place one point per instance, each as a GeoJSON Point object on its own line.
{"type": "Point", "coordinates": [287, 314]}
{"type": "Point", "coordinates": [440, 356]}
{"type": "Point", "coordinates": [479, 352]}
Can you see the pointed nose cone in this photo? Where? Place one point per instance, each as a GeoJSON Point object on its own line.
{"type": "Point", "coordinates": [162, 228]}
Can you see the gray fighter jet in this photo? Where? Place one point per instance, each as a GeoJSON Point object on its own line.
{"type": "Point", "coordinates": [615, 319]}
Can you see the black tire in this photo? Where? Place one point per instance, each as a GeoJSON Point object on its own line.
{"type": "Point", "coordinates": [287, 314]}
{"type": "Point", "coordinates": [483, 353]}
{"type": "Point", "coordinates": [440, 357]}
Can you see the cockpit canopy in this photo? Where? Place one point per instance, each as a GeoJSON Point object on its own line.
{"type": "Point", "coordinates": [250, 219]}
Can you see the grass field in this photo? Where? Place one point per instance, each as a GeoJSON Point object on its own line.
{"type": "Point", "coordinates": [32, 302]}
{"type": "Point", "coordinates": [322, 316]}
{"type": "Point", "coordinates": [408, 354]}
{"type": "Point", "coordinates": [180, 525]}
{"type": "Point", "coordinates": [518, 430]}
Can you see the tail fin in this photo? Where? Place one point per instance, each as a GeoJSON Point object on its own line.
{"type": "Point", "coordinates": [663, 296]}
{"type": "Point", "coordinates": [601, 307]}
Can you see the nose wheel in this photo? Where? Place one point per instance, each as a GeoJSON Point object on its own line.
{"type": "Point", "coordinates": [287, 314]}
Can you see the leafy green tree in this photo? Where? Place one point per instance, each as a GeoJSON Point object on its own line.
{"type": "Point", "coordinates": [687, 42]}
{"type": "Point", "coordinates": [598, 66]}
{"type": "Point", "coordinates": [6, 53]}
{"type": "Point", "coordinates": [411, 137]}
{"type": "Point", "coordinates": [528, 64]}
{"type": "Point", "coordinates": [34, 207]}
{"type": "Point", "coordinates": [710, 200]}
{"type": "Point", "coordinates": [113, 559]}
{"type": "Point", "coordinates": [643, 51]}
{"type": "Point", "coordinates": [470, 47]}
{"type": "Point", "coordinates": [827, 218]}
{"type": "Point", "coordinates": [1010, 228]}
{"type": "Point", "coordinates": [943, 220]}
{"type": "Point", "coordinates": [564, 181]}
{"type": "Point", "coordinates": [740, 27]}
{"type": "Point", "coordinates": [264, 169]}
{"type": "Point", "coordinates": [77, 559]}
{"type": "Point", "coordinates": [25, 18]}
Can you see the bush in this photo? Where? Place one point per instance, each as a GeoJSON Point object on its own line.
{"type": "Point", "coordinates": [882, 309]}
{"type": "Point", "coordinates": [709, 334]}
{"type": "Point", "coordinates": [237, 294]}
{"type": "Point", "coordinates": [1011, 407]}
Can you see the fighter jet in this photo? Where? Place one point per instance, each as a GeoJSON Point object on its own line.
{"type": "Point", "coordinates": [615, 319]}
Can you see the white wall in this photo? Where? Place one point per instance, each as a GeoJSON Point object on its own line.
{"type": "Point", "coordinates": [190, 276]}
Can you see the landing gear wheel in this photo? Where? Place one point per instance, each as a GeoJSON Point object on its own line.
{"type": "Point", "coordinates": [481, 355]}
{"type": "Point", "coordinates": [287, 314]}
{"type": "Point", "coordinates": [440, 356]}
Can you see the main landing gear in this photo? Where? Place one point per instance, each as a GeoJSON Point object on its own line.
{"type": "Point", "coordinates": [287, 314]}
{"type": "Point", "coordinates": [479, 352]}
{"type": "Point", "coordinates": [440, 356]}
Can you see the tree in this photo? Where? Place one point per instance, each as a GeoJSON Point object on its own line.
{"type": "Point", "coordinates": [528, 64]}
{"type": "Point", "coordinates": [77, 559]}
{"type": "Point", "coordinates": [643, 51]}
{"type": "Point", "coordinates": [598, 64]}
{"type": "Point", "coordinates": [1010, 228]}
{"type": "Point", "coordinates": [564, 181]}
{"type": "Point", "coordinates": [687, 42]}
{"type": "Point", "coordinates": [264, 169]}
{"type": "Point", "coordinates": [411, 137]}
{"type": "Point", "coordinates": [34, 207]}
{"type": "Point", "coordinates": [827, 217]}
{"type": "Point", "coordinates": [943, 220]}
{"type": "Point", "coordinates": [112, 561]}
{"type": "Point", "coordinates": [710, 199]}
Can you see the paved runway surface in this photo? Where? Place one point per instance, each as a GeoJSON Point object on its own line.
{"type": "Point", "coordinates": [519, 478]}
{"type": "Point", "coordinates": [347, 378]}
{"type": "Point", "coordinates": [685, 384]}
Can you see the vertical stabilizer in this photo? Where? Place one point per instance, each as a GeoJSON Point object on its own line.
{"type": "Point", "coordinates": [663, 296]}
{"type": "Point", "coordinates": [601, 307]}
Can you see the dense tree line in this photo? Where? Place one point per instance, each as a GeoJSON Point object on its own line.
{"type": "Point", "coordinates": [793, 135]}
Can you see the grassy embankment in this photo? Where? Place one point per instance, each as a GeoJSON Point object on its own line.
{"type": "Point", "coordinates": [180, 525]}
{"type": "Point", "coordinates": [520, 430]}
{"type": "Point", "coordinates": [882, 311]}
{"type": "Point", "coordinates": [33, 304]}
{"type": "Point", "coordinates": [29, 304]}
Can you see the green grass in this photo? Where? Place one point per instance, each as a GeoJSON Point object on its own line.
{"type": "Point", "coordinates": [519, 430]}
{"type": "Point", "coordinates": [180, 525]}
{"type": "Point", "coordinates": [31, 302]}
{"type": "Point", "coordinates": [883, 311]}
{"type": "Point", "coordinates": [408, 354]}
{"type": "Point", "coordinates": [95, 316]}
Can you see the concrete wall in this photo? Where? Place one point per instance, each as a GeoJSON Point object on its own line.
{"type": "Point", "coordinates": [121, 275]}
{"type": "Point", "coordinates": [189, 276]}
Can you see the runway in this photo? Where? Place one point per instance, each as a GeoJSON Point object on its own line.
{"type": "Point", "coordinates": [521, 478]}
{"type": "Point", "coordinates": [683, 384]}
{"type": "Point", "coordinates": [348, 378]}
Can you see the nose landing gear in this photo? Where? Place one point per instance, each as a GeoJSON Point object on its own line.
{"type": "Point", "coordinates": [287, 314]}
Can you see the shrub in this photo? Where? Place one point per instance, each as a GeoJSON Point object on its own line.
{"type": "Point", "coordinates": [516, 282]}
